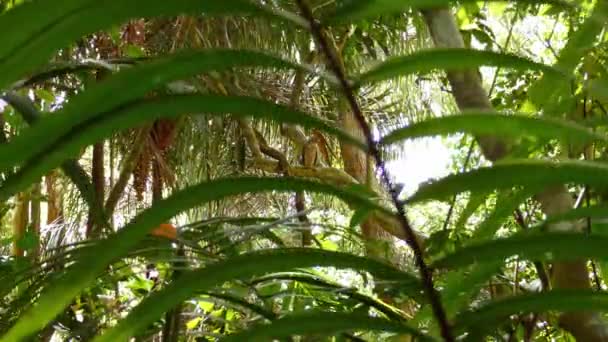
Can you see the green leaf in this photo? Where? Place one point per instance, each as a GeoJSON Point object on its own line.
{"type": "Point", "coordinates": [594, 212]}
{"type": "Point", "coordinates": [134, 51]}
{"type": "Point", "coordinates": [472, 205]}
{"type": "Point", "coordinates": [46, 26]}
{"type": "Point", "coordinates": [358, 217]}
{"type": "Point", "coordinates": [460, 287]}
{"type": "Point", "coordinates": [411, 286]}
{"type": "Point", "coordinates": [142, 111]}
{"type": "Point", "coordinates": [491, 314]}
{"type": "Point", "coordinates": [193, 323]}
{"type": "Point", "coordinates": [550, 92]}
{"type": "Point", "coordinates": [6, 242]}
{"type": "Point", "coordinates": [497, 125]}
{"type": "Point", "coordinates": [506, 203]}
{"type": "Point", "coordinates": [322, 323]}
{"type": "Point", "coordinates": [127, 86]}
{"type": "Point", "coordinates": [446, 59]}
{"type": "Point", "coordinates": [298, 324]}
{"type": "Point", "coordinates": [534, 246]}
{"type": "Point", "coordinates": [29, 240]}
{"type": "Point", "coordinates": [237, 301]}
{"type": "Point", "coordinates": [71, 168]}
{"type": "Point", "coordinates": [355, 10]}
{"type": "Point", "coordinates": [534, 174]}
{"type": "Point", "coordinates": [598, 88]}
{"type": "Point", "coordinates": [46, 95]}
{"type": "Point", "coordinates": [59, 292]}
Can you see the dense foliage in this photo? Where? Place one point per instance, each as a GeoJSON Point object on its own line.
{"type": "Point", "coordinates": [205, 170]}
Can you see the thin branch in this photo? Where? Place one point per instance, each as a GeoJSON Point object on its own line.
{"type": "Point", "coordinates": [272, 152]}
{"type": "Point", "coordinates": [297, 136]}
{"type": "Point", "coordinates": [336, 66]}
{"type": "Point", "coordinates": [62, 69]}
{"type": "Point", "coordinates": [250, 138]}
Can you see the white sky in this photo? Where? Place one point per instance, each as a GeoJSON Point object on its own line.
{"type": "Point", "coordinates": [422, 160]}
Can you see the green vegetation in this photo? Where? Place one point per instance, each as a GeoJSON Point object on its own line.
{"type": "Point", "coordinates": [231, 170]}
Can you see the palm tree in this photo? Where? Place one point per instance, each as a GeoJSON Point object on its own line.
{"type": "Point", "coordinates": [261, 130]}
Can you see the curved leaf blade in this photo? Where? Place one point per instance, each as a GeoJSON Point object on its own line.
{"type": "Point", "coordinates": [446, 59]}
{"type": "Point", "coordinates": [74, 19]}
{"type": "Point", "coordinates": [533, 174]}
{"type": "Point", "coordinates": [355, 10]}
{"type": "Point", "coordinates": [598, 212]}
{"type": "Point", "coordinates": [534, 246]}
{"type": "Point", "coordinates": [143, 111]}
{"type": "Point", "coordinates": [548, 92]}
{"type": "Point", "coordinates": [60, 292]}
{"type": "Point", "coordinates": [497, 125]}
{"type": "Point", "coordinates": [236, 301]}
{"type": "Point", "coordinates": [70, 167]}
{"type": "Point", "coordinates": [246, 265]}
{"type": "Point", "coordinates": [322, 323]}
{"type": "Point", "coordinates": [127, 86]}
{"type": "Point", "coordinates": [460, 288]}
{"type": "Point", "coordinates": [490, 315]}
{"type": "Point", "coordinates": [412, 286]}
{"type": "Point", "coordinates": [39, 15]}
{"type": "Point", "coordinates": [506, 203]}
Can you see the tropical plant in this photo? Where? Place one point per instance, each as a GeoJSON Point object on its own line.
{"type": "Point", "coordinates": [263, 131]}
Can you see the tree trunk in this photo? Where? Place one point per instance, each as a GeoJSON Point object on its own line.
{"type": "Point", "coordinates": [469, 94]}
{"type": "Point", "coordinates": [20, 222]}
{"type": "Point", "coordinates": [35, 217]}
{"type": "Point", "coordinates": [54, 199]}
{"type": "Point", "coordinates": [303, 218]}
{"type": "Point", "coordinates": [97, 173]}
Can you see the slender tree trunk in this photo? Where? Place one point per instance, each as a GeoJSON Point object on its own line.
{"type": "Point", "coordinates": [469, 94]}
{"type": "Point", "coordinates": [99, 185]}
{"type": "Point", "coordinates": [297, 136]}
{"type": "Point", "coordinates": [303, 218]}
{"type": "Point", "coordinates": [35, 217]}
{"type": "Point", "coordinates": [54, 199]}
{"type": "Point", "coordinates": [97, 178]}
{"type": "Point", "coordinates": [20, 222]}
{"type": "Point", "coordinates": [157, 183]}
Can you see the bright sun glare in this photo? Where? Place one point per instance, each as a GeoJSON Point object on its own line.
{"type": "Point", "coordinates": [423, 159]}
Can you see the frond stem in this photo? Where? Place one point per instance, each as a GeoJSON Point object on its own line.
{"type": "Point", "coordinates": [337, 68]}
